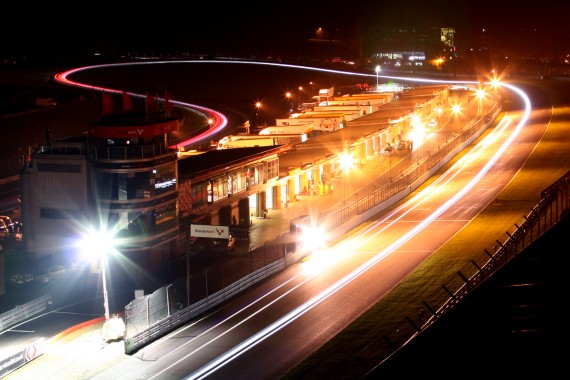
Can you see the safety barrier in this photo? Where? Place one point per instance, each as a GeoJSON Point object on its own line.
{"type": "Point", "coordinates": [23, 312]}
{"type": "Point", "coordinates": [554, 204]}
{"type": "Point", "coordinates": [138, 337]}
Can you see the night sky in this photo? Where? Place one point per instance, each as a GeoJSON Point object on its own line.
{"type": "Point", "coordinates": [47, 28]}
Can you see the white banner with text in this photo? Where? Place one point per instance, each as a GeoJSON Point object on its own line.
{"type": "Point", "coordinates": [207, 231]}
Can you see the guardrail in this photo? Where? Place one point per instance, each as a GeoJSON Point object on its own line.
{"type": "Point", "coordinates": [406, 180]}
{"type": "Point", "coordinates": [23, 312]}
{"type": "Point", "coordinates": [554, 204]}
{"type": "Point", "coordinates": [136, 339]}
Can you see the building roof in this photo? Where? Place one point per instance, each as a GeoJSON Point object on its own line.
{"type": "Point", "coordinates": [210, 162]}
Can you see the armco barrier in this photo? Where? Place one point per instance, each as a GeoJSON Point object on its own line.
{"type": "Point", "coordinates": [23, 312]}
{"type": "Point", "coordinates": [554, 204]}
{"type": "Point", "coordinates": [164, 326]}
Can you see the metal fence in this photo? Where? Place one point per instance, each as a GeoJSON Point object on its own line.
{"type": "Point", "coordinates": [406, 179]}
{"type": "Point", "coordinates": [24, 312]}
{"type": "Point", "coordinates": [554, 204]}
{"type": "Point", "coordinates": [142, 331]}
{"type": "Point", "coordinates": [145, 311]}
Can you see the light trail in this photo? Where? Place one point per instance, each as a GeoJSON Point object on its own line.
{"type": "Point", "coordinates": [220, 120]}
{"type": "Point", "coordinates": [307, 306]}
{"type": "Point", "coordinates": [331, 290]}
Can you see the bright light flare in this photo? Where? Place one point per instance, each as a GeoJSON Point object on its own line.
{"type": "Point", "coordinates": [96, 243]}
{"type": "Point", "coordinates": [314, 239]}
{"type": "Point", "coordinates": [346, 161]}
{"type": "Point", "coordinates": [417, 135]}
{"type": "Point", "coordinates": [481, 94]}
{"type": "Point", "coordinates": [320, 261]}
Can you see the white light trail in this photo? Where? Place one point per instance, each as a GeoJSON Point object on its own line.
{"type": "Point", "coordinates": [305, 307]}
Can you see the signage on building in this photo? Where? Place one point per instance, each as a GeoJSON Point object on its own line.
{"type": "Point", "coordinates": [138, 131]}
{"type": "Point", "coordinates": [208, 231]}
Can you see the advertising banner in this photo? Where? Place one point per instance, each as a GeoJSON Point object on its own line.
{"type": "Point", "coordinates": [207, 231]}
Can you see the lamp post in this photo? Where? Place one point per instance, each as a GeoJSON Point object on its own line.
{"type": "Point", "coordinates": [345, 164]}
{"type": "Point", "coordinates": [480, 96]}
{"type": "Point", "coordinates": [390, 167]}
{"type": "Point", "coordinates": [99, 244]}
{"type": "Point", "coordinates": [455, 109]}
{"type": "Point", "coordinates": [288, 96]}
{"type": "Point", "coordinates": [257, 107]}
{"type": "Point", "coordinates": [104, 279]}
{"type": "Point", "coordinates": [299, 100]}
{"type": "Point", "coordinates": [377, 72]}
{"type": "Point", "coordinates": [188, 262]}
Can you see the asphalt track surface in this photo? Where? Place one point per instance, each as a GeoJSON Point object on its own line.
{"type": "Point", "coordinates": [495, 349]}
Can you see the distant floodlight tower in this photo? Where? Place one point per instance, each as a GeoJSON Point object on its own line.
{"type": "Point", "coordinates": [377, 72]}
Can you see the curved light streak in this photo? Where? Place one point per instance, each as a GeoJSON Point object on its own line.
{"type": "Point", "coordinates": [305, 307]}
{"type": "Point", "coordinates": [393, 217]}
{"type": "Point", "coordinates": [220, 120]}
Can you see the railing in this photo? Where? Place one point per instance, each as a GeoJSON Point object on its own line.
{"type": "Point", "coordinates": [553, 205]}
{"type": "Point", "coordinates": [405, 180]}
{"type": "Point", "coordinates": [141, 329]}
{"type": "Point", "coordinates": [131, 152]}
{"type": "Point", "coordinates": [23, 312]}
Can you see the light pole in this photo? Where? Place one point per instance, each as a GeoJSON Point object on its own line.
{"type": "Point", "coordinates": [104, 279]}
{"type": "Point", "coordinates": [299, 100]}
{"type": "Point", "coordinates": [99, 244]}
{"type": "Point", "coordinates": [455, 109]}
{"type": "Point", "coordinates": [377, 72]}
{"type": "Point", "coordinates": [480, 96]}
{"type": "Point", "coordinates": [188, 262]}
{"type": "Point", "coordinates": [390, 167]}
{"type": "Point", "coordinates": [257, 107]}
{"type": "Point", "coordinates": [346, 162]}
{"type": "Point", "coordinates": [438, 63]}
{"type": "Point", "coordinates": [288, 96]}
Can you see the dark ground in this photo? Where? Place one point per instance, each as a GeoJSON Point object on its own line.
{"type": "Point", "coordinates": [513, 325]}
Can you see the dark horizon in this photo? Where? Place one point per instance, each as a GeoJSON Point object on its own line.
{"type": "Point", "coordinates": [508, 28]}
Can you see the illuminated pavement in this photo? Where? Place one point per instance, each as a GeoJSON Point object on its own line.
{"type": "Point", "coordinates": [78, 352]}
{"type": "Point", "coordinates": [66, 352]}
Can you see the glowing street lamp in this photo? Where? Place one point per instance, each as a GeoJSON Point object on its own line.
{"type": "Point", "coordinates": [377, 72]}
{"type": "Point", "coordinates": [299, 100]}
{"type": "Point", "coordinates": [438, 63]}
{"type": "Point", "coordinates": [456, 108]}
{"type": "Point", "coordinates": [98, 245]}
{"type": "Point", "coordinates": [480, 97]}
{"type": "Point", "coordinates": [480, 94]}
{"type": "Point", "coordinates": [495, 83]}
{"type": "Point", "coordinates": [419, 133]}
